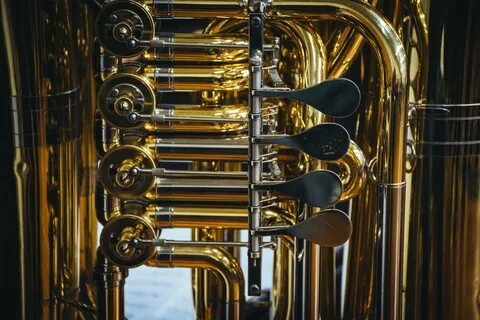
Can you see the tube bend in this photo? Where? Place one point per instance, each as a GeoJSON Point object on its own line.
{"type": "Point", "coordinates": [211, 258]}
{"type": "Point", "coordinates": [391, 151]}
{"type": "Point", "coordinates": [390, 52]}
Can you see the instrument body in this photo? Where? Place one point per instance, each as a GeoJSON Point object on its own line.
{"type": "Point", "coordinates": [147, 115]}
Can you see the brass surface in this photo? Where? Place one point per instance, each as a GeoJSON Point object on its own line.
{"type": "Point", "coordinates": [52, 166]}
{"type": "Point", "coordinates": [180, 55]}
{"type": "Point", "coordinates": [217, 260]}
{"type": "Point", "coordinates": [197, 97]}
{"type": "Point", "coordinates": [116, 237]}
{"type": "Point", "coordinates": [443, 266]}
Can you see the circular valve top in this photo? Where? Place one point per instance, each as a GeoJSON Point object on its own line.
{"type": "Point", "coordinates": [116, 176]}
{"type": "Point", "coordinates": [117, 236]}
{"type": "Point", "coordinates": [124, 93]}
{"type": "Point", "coordinates": [122, 23]}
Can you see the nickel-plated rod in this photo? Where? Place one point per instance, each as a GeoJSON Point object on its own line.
{"type": "Point", "coordinates": [255, 153]}
{"type": "Point", "coordinates": [160, 172]}
{"type": "Point", "coordinates": [161, 117]}
{"type": "Point", "coordinates": [136, 242]}
{"type": "Point", "coordinates": [163, 43]}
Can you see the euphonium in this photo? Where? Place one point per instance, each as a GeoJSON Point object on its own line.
{"type": "Point", "coordinates": [235, 120]}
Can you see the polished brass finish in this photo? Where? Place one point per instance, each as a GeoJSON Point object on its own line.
{"type": "Point", "coordinates": [443, 266]}
{"type": "Point", "coordinates": [394, 83]}
{"type": "Point", "coordinates": [202, 52]}
{"type": "Point", "coordinates": [168, 147]}
{"type": "Point", "coordinates": [45, 57]}
{"type": "Point", "coordinates": [121, 95]}
{"type": "Point", "coordinates": [110, 281]}
{"type": "Point", "coordinates": [115, 175]}
{"type": "Point", "coordinates": [117, 235]}
{"type": "Point", "coordinates": [119, 21]}
{"type": "Point", "coordinates": [216, 260]}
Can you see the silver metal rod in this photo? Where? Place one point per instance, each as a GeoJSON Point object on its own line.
{"type": "Point", "coordinates": [160, 172]}
{"type": "Point", "coordinates": [255, 152]}
{"type": "Point", "coordinates": [137, 242]}
{"type": "Point", "coordinates": [161, 117]}
{"type": "Point", "coordinates": [162, 43]}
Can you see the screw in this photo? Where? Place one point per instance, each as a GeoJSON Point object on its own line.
{"type": "Point", "coordinates": [137, 93]}
{"type": "Point", "coordinates": [124, 105]}
{"type": "Point", "coordinates": [254, 289]}
{"type": "Point", "coordinates": [132, 43]}
{"type": "Point", "coordinates": [123, 30]}
{"type": "Point", "coordinates": [256, 22]}
{"type": "Point", "coordinates": [134, 172]}
{"type": "Point", "coordinates": [133, 117]}
{"type": "Point", "coordinates": [113, 18]}
{"type": "Point", "coordinates": [115, 92]}
{"type": "Point", "coordinates": [124, 177]}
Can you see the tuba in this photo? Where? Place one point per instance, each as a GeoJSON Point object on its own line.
{"type": "Point", "coordinates": [320, 159]}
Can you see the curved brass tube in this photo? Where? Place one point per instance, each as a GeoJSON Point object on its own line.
{"type": "Point", "coordinates": [352, 170]}
{"type": "Point", "coordinates": [198, 217]}
{"type": "Point", "coordinates": [210, 258]}
{"type": "Point", "coordinates": [391, 156]}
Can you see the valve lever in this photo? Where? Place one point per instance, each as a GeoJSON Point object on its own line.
{"type": "Point", "coordinates": [321, 188]}
{"type": "Point", "coordinates": [335, 97]}
{"type": "Point", "coordinates": [327, 141]}
{"type": "Point", "coordinates": [328, 228]}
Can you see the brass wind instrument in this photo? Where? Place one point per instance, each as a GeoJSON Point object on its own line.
{"type": "Point", "coordinates": [128, 117]}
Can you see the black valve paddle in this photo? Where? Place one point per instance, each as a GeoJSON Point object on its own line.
{"type": "Point", "coordinates": [327, 141]}
{"type": "Point", "coordinates": [328, 228]}
{"type": "Point", "coordinates": [335, 97]}
{"type": "Point", "coordinates": [321, 188]}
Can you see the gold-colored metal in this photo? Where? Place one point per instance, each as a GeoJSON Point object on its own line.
{"type": "Point", "coordinates": [352, 170]}
{"type": "Point", "coordinates": [217, 260]}
{"type": "Point", "coordinates": [190, 91]}
{"type": "Point", "coordinates": [116, 237]}
{"type": "Point", "coordinates": [115, 176]}
{"type": "Point", "coordinates": [44, 46]}
{"type": "Point", "coordinates": [204, 55]}
{"type": "Point", "coordinates": [443, 253]}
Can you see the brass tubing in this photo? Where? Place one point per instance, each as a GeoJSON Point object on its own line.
{"type": "Point", "coordinates": [209, 217]}
{"type": "Point", "coordinates": [110, 281]}
{"type": "Point", "coordinates": [219, 190]}
{"type": "Point", "coordinates": [198, 149]}
{"type": "Point", "coordinates": [194, 78]}
{"type": "Point", "coordinates": [216, 119]}
{"type": "Point", "coordinates": [41, 83]}
{"type": "Point", "coordinates": [214, 259]}
{"type": "Point", "coordinates": [88, 225]}
{"type": "Point", "coordinates": [391, 156]}
{"type": "Point", "coordinates": [306, 286]}
{"type": "Point", "coordinates": [198, 54]}
{"type": "Point", "coordinates": [282, 291]}
{"type": "Point", "coordinates": [195, 9]}
{"type": "Point", "coordinates": [106, 206]}
{"type": "Point", "coordinates": [443, 269]}
{"type": "Point", "coordinates": [388, 47]}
